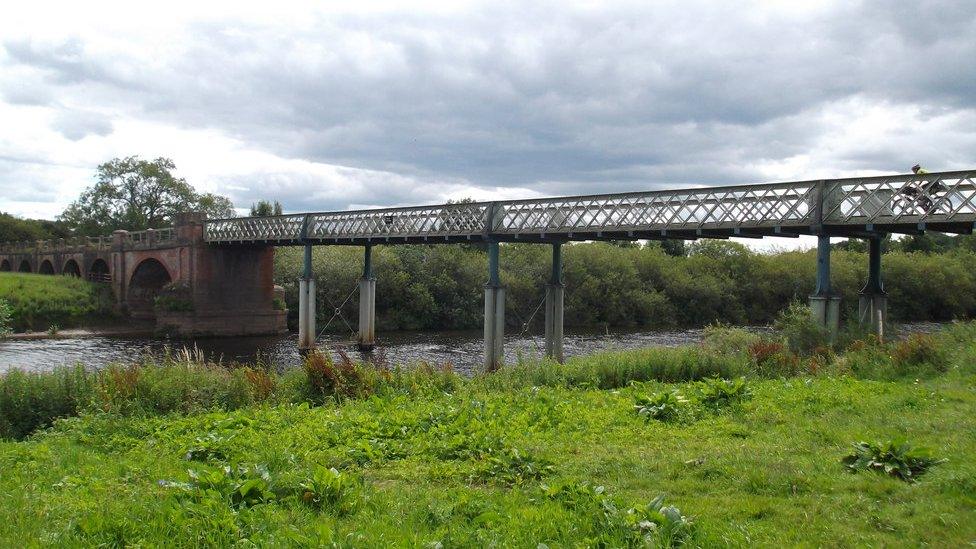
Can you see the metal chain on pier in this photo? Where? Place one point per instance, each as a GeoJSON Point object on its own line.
{"type": "Point", "coordinates": [528, 322]}
{"type": "Point", "coordinates": [337, 313]}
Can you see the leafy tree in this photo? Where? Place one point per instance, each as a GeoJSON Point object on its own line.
{"type": "Point", "coordinates": [265, 209]}
{"type": "Point", "coordinates": [134, 194]}
{"type": "Point", "coordinates": [15, 229]}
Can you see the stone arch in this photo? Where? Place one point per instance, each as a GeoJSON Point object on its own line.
{"type": "Point", "coordinates": [25, 267]}
{"type": "Point", "coordinates": [46, 268]}
{"type": "Point", "coordinates": [71, 268]}
{"type": "Point", "coordinates": [148, 278]}
{"type": "Point", "coordinates": [99, 272]}
{"type": "Point", "coordinates": [5, 266]}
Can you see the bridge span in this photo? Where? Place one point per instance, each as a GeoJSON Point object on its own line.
{"type": "Point", "coordinates": [863, 207]}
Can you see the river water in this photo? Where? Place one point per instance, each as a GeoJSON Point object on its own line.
{"type": "Point", "coordinates": [463, 350]}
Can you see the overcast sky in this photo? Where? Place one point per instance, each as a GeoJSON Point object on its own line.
{"type": "Point", "coordinates": [378, 105]}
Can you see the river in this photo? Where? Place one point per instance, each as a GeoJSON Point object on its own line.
{"type": "Point", "coordinates": [463, 350]}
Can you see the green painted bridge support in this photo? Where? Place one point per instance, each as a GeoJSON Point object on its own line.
{"type": "Point", "coordinates": [873, 301]}
{"type": "Point", "coordinates": [367, 304]}
{"type": "Point", "coordinates": [824, 304]}
{"type": "Point", "coordinates": [555, 291]}
{"type": "Point", "coordinates": [494, 313]}
{"type": "Point", "coordinates": [306, 305]}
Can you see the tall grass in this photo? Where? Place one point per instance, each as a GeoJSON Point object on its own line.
{"type": "Point", "coordinates": [187, 383]}
{"type": "Point", "coordinates": [40, 301]}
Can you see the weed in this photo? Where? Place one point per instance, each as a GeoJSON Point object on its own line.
{"type": "Point", "coordinates": [664, 406]}
{"type": "Point", "coordinates": [513, 467]}
{"type": "Point", "coordinates": [656, 524]}
{"type": "Point", "coordinates": [772, 359]}
{"type": "Point", "coordinates": [6, 318]}
{"type": "Point", "coordinates": [895, 457]}
{"type": "Point", "coordinates": [330, 490]}
{"type": "Point", "coordinates": [720, 393]}
{"type": "Point", "coordinates": [802, 333]}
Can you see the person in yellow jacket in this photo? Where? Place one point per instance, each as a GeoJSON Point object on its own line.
{"type": "Point", "coordinates": [921, 192]}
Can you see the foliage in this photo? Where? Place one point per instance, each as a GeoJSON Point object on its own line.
{"type": "Point", "coordinates": [761, 476]}
{"type": "Point", "coordinates": [919, 354]}
{"type": "Point", "coordinates": [38, 301]}
{"type": "Point", "coordinates": [328, 489]}
{"type": "Point", "coordinates": [6, 318]}
{"type": "Point", "coordinates": [174, 297]}
{"type": "Point", "coordinates": [33, 400]}
{"type": "Point", "coordinates": [719, 393]}
{"type": "Point", "coordinates": [440, 287]}
{"type": "Point", "coordinates": [664, 406]}
{"type": "Point", "coordinates": [16, 229]}
{"type": "Point", "coordinates": [265, 209]}
{"type": "Point", "coordinates": [724, 339]}
{"type": "Point", "coordinates": [772, 359]}
{"type": "Point", "coordinates": [135, 194]}
{"type": "Point", "coordinates": [803, 334]}
{"type": "Point", "coordinates": [327, 379]}
{"type": "Point", "coordinates": [897, 458]}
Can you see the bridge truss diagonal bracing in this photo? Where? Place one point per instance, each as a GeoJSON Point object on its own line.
{"type": "Point", "coordinates": [853, 206]}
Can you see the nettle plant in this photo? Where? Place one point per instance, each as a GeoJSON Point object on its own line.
{"type": "Point", "coordinates": [665, 406]}
{"type": "Point", "coordinates": [896, 458]}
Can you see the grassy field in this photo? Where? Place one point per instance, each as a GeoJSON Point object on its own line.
{"type": "Point", "coordinates": [39, 301]}
{"type": "Point", "coordinates": [537, 454]}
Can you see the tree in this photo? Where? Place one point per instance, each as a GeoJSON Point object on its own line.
{"type": "Point", "coordinates": [265, 209]}
{"type": "Point", "coordinates": [135, 194]}
{"type": "Point", "coordinates": [15, 229]}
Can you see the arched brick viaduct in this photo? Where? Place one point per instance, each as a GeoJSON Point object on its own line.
{"type": "Point", "coordinates": [209, 290]}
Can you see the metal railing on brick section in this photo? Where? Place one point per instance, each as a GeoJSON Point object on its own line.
{"type": "Point", "coordinates": [80, 243]}
{"type": "Point", "coordinates": [867, 203]}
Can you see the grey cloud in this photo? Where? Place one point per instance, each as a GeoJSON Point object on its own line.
{"type": "Point", "coordinates": [543, 96]}
{"type": "Point", "coordinates": [75, 124]}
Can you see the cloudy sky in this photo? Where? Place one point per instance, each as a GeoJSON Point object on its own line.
{"type": "Point", "coordinates": [375, 104]}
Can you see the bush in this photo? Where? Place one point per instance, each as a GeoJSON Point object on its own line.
{"type": "Point", "coordinates": [773, 359]}
{"type": "Point", "coordinates": [174, 297]}
{"type": "Point", "coordinates": [921, 355]}
{"type": "Point", "coordinates": [895, 457]}
{"type": "Point", "coordinates": [33, 400]}
{"type": "Point", "coordinates": [327, 379]}
{"type": "Point", "coordinates": [6, 319]}
{"type": "Point", "coordinates": [723, 339]}
{"type": "Point", "coordinates": [803, 334]}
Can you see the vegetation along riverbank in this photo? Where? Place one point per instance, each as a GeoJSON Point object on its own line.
{"type": "Point", "coordinates": [441, 287]}
{"type": "Point", "coordinates": [43, 302]}
{"type": "Point", "coordinates": [744, 440]}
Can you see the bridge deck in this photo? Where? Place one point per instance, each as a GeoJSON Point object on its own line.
{"type": "Point", "coordinates": [944, 201]}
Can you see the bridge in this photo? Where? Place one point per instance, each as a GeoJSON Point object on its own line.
{"type": "Point", "coordinates": [229, 251]}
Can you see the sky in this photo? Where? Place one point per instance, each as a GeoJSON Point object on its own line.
{"type": "Point", "coordinates": [360, 104]}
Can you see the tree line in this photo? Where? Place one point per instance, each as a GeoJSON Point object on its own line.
{"type": "Point", "coordinates": [441, 287]}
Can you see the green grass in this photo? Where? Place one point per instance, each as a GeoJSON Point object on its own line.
{"type": "Point", "coordinates": [40, 301]}
{"type": "Point", "coordinates": [523, 457]}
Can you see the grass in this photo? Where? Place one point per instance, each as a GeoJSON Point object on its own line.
{"type": "Point", "coordinates": [38, 302]}
{"type": "Point", "coordinates": [533, 454]}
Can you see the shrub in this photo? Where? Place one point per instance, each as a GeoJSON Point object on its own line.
{"type": "Point", "coordinates": [174, 297]}
{"type": "Point", "coordinates": [895, 457]}
{"type": "Point", "coordinates": [773, 359]}
{"type": "Point", "coordinates": [664, 406]}
{"type": "Point", "coordinates": [33, 400]}
{"type": "Point", "coordinates": [327, 379]}
{"type": "Point", "coordinates": [804, 335]}
{"type": "Point", "coordinates": [6, 319]}
{"type": "Point", "coordinates": [919, 354]}
{"type": "Point", "coordinates": [723, 339]}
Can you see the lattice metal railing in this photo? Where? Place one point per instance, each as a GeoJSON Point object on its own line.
{"type": "Point", "coordinates": [902, 199]}
{"type": "Point", "coordinates": [279, 228]}
{"type": "Point", "coordinates": [710, 208]}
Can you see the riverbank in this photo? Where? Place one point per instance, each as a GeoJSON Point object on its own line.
{"type": "Point", "coordinates": [185, 454]}
{"type": "Point", "coordinates": [44, 302]}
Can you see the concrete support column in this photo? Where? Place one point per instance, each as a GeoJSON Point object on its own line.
{"type": "Point", "coordinates": [367, 304]}
{"type": "Point", "coordinates": [306, 305]}
{"type": "Point", "coordinates": [824, 304]}
{"type": "Point", "coordinates": [494, 313]}
{"type": "Point", "coordinates": [873, 301]}
{"type": "Point", "coordinates": [555, 291]}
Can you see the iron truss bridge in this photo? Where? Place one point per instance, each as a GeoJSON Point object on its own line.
{"type": "Point", "coordinates": [866, 206]}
